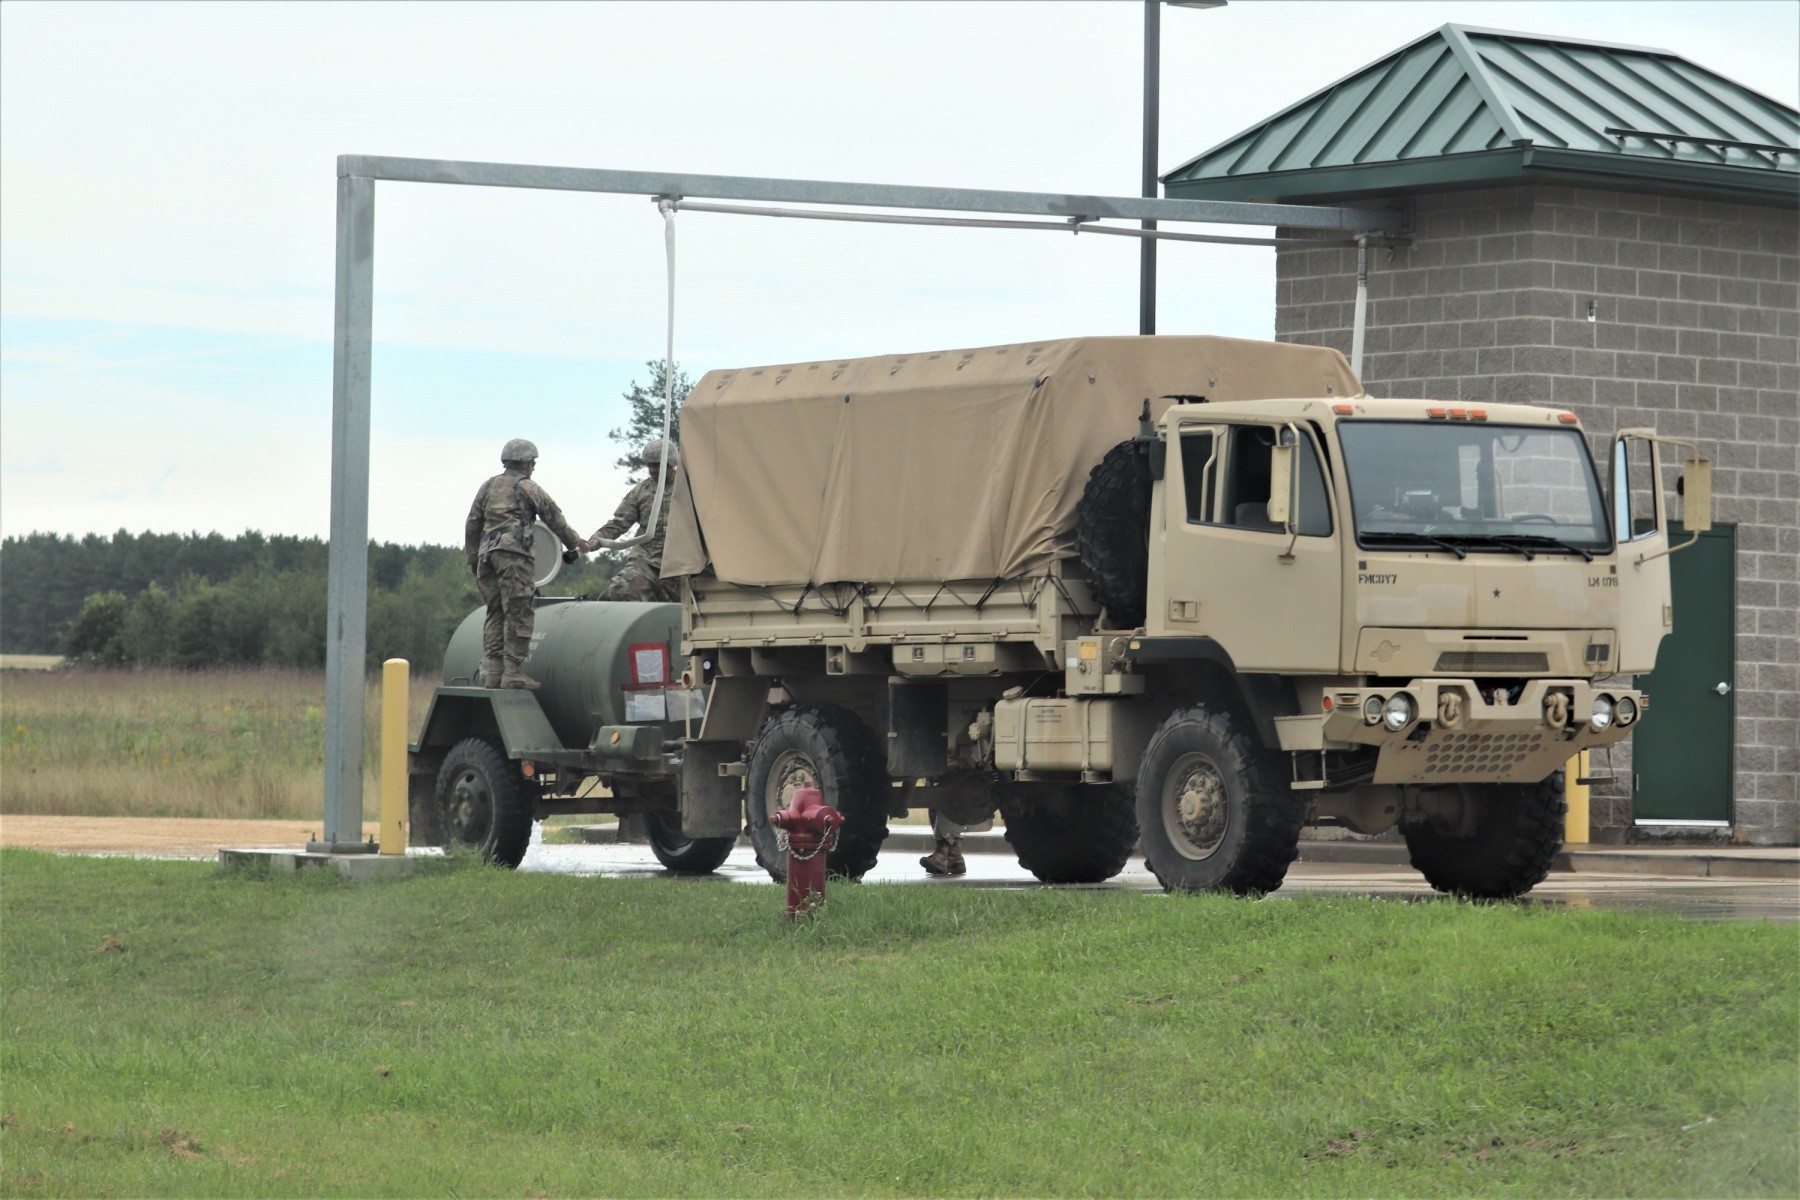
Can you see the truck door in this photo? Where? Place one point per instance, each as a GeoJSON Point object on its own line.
{"type": "Point", "coordinates": [1269, 595]}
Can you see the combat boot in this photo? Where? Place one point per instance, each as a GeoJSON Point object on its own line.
{"type": "Point", "coordinates": [515, 678]}
{"type": "Point", "coordinates": [489, 676]}
{"type": "Point", "coordinates": [947, 859]}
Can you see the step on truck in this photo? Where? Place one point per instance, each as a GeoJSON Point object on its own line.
{"type": "Point", "coordinates": [1183, 594]}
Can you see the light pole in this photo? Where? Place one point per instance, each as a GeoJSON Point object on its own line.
{"type": "Point", "coordinates": [1152, 101]}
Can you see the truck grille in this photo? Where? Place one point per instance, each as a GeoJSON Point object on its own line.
{"type": "Point", "coordinates": [1480, 753]}
{"type": "Point", "coordinates": [1468, 662]}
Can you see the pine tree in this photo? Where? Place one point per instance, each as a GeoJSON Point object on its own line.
{"type": "Point", "coordinates": [645, 412]}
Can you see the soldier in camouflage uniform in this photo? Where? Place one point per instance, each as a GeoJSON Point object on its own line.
{"type": "Point", "coordinates": [640, 578]}
{"type": "Point", "coordinates": [497, 542]}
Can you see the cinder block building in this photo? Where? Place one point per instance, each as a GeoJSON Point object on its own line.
{"type": "Point", "coordinates": [1612, 230]}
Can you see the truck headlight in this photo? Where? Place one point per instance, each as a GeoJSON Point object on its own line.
{"type": "Point", "coordinates": [1372, 711]}
{"type": "Point", "coordinates": [1399, 712]}
{"type": "Point", "coordinates": [1626, 711]}
{"type": "Point", "coordinates": [1603, 713]}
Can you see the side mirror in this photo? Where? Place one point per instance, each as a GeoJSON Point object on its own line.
{"type": "Point", "coordinates": [1696, 489]}
{"type": "Point", "coordinates": [1281, 479]}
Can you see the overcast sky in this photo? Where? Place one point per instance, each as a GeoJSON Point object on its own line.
{"type": "Point", "coordinates": [167, 179]}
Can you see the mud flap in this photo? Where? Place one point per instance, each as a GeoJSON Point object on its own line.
{"type": "Point", "coordinates": [712, 805]}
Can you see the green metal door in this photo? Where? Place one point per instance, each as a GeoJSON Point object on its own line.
{"type": "Point", "coordinates": [1682, 754]}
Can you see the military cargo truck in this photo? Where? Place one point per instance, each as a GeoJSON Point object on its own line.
{"type": "Point", "coordinates": [1191, 592]}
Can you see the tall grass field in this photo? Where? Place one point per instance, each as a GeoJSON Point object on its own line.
{"type": "Point", "coordinates": [163, 743]}
{"type": "Point", "coordinates": [169, 1030]}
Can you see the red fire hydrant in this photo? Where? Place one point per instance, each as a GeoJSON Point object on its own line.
{"type": "Point", "coordinates": [809, 831]}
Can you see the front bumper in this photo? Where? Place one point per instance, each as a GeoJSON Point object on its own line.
{"type": "Point", "coordinates": [1458, 734]}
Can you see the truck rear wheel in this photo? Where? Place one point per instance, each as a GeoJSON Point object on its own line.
{"type": "Point", "coordinates": [1215, 806]}
{"type": "Point", "coordinates": [829, 748]}
{"type": "Point", "coordinates": [1084, 835]}
{"type": "Point", "coordinates": [484, 803]}
{"type": "Point", "coordinates": [1515, 832]}
{"type": "Point", "coordinates": [682, 854]}
{"type": "Point", "coordinates": [1112, 533]}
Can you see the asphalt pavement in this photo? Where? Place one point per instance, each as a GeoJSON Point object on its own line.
{"type": "Point", "coordinates": [1711, 883]}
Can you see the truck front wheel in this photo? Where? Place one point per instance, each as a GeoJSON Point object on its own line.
{"type": "Point", "coordinates": [826, 747]}
{"type": "Point", "coordinates": [1502, 848]}
{"type": "Point", "coordinates": [1216, 810]}
{"type": "Point", "coordinates": [682, 854]}
{"type": "Point", "coordinates": [484, 804]}
{"type": "Point", "coordinates": [1084, 834]}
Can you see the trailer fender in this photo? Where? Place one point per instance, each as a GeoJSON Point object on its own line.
{"type": "Point", "coordinates": [511, 717]}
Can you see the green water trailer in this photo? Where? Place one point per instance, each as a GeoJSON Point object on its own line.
{"type": "Point", "coordinates": [604, 733]}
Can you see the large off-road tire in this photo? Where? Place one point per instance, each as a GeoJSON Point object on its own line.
{"type": "Point", "coordinates": [827, 747]}
{"type": "Point", "coordinates": [1082, 834]}
{"type": "Point", "coordinates": [1517, 828]}
{"type": "Point", "coordinates": [682, 854]}
{"type": "Point", "coordinates": [1112, 533]}
{"type": "Point", "coordinates": [484, 803]}
{"type": "Point", "coordinates": [1215, 807]}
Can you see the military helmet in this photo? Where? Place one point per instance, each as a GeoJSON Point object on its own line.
{"type": "Point", "coordinates": [518, 451]}
{"type": "Point", "coordinates": [655, 448]}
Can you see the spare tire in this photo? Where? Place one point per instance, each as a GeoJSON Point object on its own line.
{"type": "Point", "coordinates": [1112, 532]}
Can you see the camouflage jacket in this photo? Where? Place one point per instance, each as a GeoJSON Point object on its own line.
{"type": "Point", "coordinates": [501, 518]}
{"type": "Point", "coordinates": [634, 511]}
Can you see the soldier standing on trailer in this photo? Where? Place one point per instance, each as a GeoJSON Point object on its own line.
{"type": "Point", "coordinates": [497, 542]}
{"type": "Point", "coordinates": [640, 578]}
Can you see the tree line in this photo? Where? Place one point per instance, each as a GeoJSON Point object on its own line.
{"type": "Point", "coordinates": [206, 600]}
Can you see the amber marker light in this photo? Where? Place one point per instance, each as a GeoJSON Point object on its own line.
{"type": "Point", "coordinates": [1566, 418]}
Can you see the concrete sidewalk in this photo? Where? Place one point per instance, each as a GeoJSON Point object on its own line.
{"type": "Point", "coordinates": [1700, 861]}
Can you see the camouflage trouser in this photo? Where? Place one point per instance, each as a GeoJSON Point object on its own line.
{"type": "Point", "coordinates": [506, 585]}
{"type": "Point", "coordinates": [639, 579]}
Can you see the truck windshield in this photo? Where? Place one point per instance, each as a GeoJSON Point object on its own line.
{"type": "Point", "coordinates": [1501, 488]}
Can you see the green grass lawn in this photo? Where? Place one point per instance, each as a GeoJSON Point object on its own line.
{"type": "Point", "coordinates": [172, 1031]}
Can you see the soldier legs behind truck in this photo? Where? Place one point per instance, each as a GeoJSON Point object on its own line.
{"type": "Point", "coordinates": [505, 582]}
{"type": "Point", "coordinates": [639, 579]}
{"type": "Point", "coordinates": [946, 856]}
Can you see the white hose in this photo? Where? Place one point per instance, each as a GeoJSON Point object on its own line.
{"type": "Point", "coordinates": [665, 206]}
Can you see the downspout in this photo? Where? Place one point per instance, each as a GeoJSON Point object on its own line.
{"type": "Point", "coordinates": [1362, 307]}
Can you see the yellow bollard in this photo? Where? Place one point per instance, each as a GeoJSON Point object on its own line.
{"type": "Point", "coordinates": [1575, 824]}
{"type": "Point", "coordinates": [395, 680]}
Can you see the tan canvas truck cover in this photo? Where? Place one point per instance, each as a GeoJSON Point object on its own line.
{"type": "Point", "coordinates": [954, 464]}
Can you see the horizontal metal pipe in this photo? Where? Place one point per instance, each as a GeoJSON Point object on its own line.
{"type": "Point", "coordinates": [868, 195]}
{"type": "Point", "coordinates": [812, 214]}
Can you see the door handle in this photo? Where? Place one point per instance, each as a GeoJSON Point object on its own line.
{"type": "Point", "coordinates": [1724, 689]}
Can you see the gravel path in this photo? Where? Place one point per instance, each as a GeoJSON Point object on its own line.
{"type": "Point", "coordinates": [175, 837]}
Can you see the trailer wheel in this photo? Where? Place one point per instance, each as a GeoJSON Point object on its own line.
{"type": "Point", "coordinates": [1215, 806]}
{"type": "Point", "coordinates": [682, 854]}
{"type": "Point", "coordinates": [1112, 533]}
{"type": "Point", "coordinates": [827, 747]}
{"type": "Point", "coordinates": [1517, 829]}
{"type": "Point", "coordinates": [1084, 836]}
{"type": "Point", "coordinates": [484, 804]}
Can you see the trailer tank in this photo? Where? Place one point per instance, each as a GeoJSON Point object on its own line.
{"type": "Point", "coordinates": [599, 663]}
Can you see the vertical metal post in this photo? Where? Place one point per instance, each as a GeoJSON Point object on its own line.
{"type": "Point", "coordinates": [1152, 97]}
{"type": "Point", "coordinates": [1359, 322]}
{"type": "Point", "coordinates": [346, 607]}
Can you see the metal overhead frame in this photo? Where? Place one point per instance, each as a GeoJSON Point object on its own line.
{"type": "Point", "coordinates": [346, 639]}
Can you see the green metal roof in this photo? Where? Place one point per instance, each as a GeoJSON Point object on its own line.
{"type": "Point", "coordinates": [1464, 107]}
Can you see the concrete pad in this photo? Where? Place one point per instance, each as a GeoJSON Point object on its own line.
{"type": "Point", "coordinates": [285, 860]}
